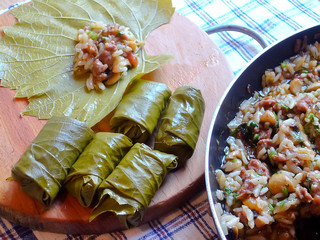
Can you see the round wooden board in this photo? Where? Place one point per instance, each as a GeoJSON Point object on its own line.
{"type": "Point", "coordinates": [197, 62]}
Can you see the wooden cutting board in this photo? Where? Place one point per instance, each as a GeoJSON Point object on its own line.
{"type": "Point", "coordinates": [197, 62]}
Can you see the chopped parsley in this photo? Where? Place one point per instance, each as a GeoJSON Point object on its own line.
{"type": "Point", "coordinates": [235, 195]}
{"type": "Point", "coordinates": [307, 130]}
{"type": "Point", "coordinates": [271, 207]}
{"type": "Point", "coordinates": [282, 203]}
{"type": "Point", "coordinates": [309, 183]}
{"type": "Point", "coordinates": [227, 191]}
{"type": "Point", "coordinates": [234, 132]}
{"type": "Point", "coordinates": [275, 115]}
{"type": "Point", "coordinates": [256, 137]}
{"type": "Point", "coordinates": [282, 105]}
{"type": "Point", "coordinates": [285, 190]}
{"type": "Point", "coordinates": [119, 33]}
{"type": "Point", "coordinates": [272, 153]}
{"type": "Point", "coordinates": [93, 35]}
{"type": "Point", "coordinates": [283, 64]}
{"type": "Point", "coordinates": [277, 119]}
{"type": "Point", "coordinates": [253, 124]}
{"type": "Point", "coordinates": [311, 117]}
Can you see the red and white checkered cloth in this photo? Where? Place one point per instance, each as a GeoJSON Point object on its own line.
{"type": "Point", "coordinates": [274, 20]}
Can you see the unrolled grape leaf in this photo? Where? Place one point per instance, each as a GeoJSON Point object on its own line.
{"type": "Point", "coordinates": [36, 54]}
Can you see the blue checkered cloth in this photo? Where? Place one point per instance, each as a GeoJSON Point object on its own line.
{"type": "Point", "coordinates": [274, 20]}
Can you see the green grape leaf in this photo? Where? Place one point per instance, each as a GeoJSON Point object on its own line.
{"type": "Point", "coordinates": [36, 54]}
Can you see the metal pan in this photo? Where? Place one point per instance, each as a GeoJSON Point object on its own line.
{"type": "Point", "coordinates": [241, 88]}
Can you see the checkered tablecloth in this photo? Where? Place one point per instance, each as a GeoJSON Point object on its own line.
{"type": "Point", "coordinates": [274, 20]}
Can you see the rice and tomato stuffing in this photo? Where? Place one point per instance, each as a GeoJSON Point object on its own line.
{"type": "Point", "coordinates": [271, 169]}
{"type": "Point", "coordinates": [106, 52]}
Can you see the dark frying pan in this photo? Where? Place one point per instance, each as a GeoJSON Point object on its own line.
{"type": "Point", "coordinates": [241, 88]}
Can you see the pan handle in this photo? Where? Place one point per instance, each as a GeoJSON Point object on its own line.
{"type": "Point", "coordinates": [236, 28]}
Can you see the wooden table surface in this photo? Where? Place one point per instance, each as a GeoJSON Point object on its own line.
{"type": "Point", "coordinates": [197, 62]}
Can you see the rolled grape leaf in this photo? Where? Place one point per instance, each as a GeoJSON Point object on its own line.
{"type": "Point", "coordinates": [94, 164]}
{"type": "Point", "coordinates": [138, 112]}
{"type": "Point", "coordinates": [37, 53]}
{"type": "Point", "coordinates": [131, 186]}
{"type": "Point", "coordinates": [43, 167]}
{"type": "Point", "coordinates": [180, 124]}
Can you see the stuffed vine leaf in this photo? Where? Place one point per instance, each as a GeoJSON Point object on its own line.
{"type": "Point", "coordinates": [46, 162]}
{"type": "Point", "coordinates": [95, 163]}
{"type": "Point", "coordinates": [180, 124]}
{"type": "Point", "coordinates": [139, 110]}
{"type": "Point", "coordinates": [130, 187]}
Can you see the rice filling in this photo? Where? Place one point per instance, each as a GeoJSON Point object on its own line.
{"type": "Point", "coordinates": [105, 52]}
{"type": "Point", "coordinates": [271, 171]}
